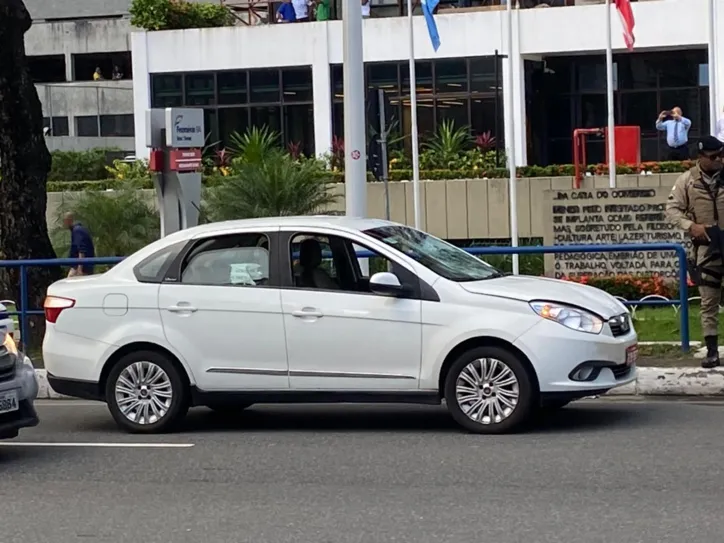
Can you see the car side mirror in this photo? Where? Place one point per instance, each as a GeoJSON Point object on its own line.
{"type": "Point", "coordinates": [386, 284]}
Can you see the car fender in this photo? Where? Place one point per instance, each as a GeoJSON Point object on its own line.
{"type": "Point", "coordinates": [440, 347]}
{"type": "Point", "coordinates": [154, 339]}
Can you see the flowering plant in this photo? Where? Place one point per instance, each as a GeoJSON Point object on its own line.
{"type": "Point", "coordinates": [630, 287]}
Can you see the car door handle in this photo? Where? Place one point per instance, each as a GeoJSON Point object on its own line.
{"type": "Point", "coordinates": [181, 308]}
{"type": "Point", "coordinates": [307, 312]}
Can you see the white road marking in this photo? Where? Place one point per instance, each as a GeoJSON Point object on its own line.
{"type": "Point", "coordinates": [97, 445]}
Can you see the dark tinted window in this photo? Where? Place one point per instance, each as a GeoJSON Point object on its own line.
{"type": "Point", "coordinates": [153, 268]}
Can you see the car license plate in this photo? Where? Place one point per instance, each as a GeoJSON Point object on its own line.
{"type": "Point", "coordinates": [8, 401]}
{"type": "Point", "coordinates": [632, 354]}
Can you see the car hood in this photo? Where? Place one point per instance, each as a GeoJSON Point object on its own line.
{"type": "Point", "coordinates": [528, 289]}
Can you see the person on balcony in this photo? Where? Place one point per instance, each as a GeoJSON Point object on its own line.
{"type": "Point", "coordinates": [322, 10]}
{"type": "Point", "coordinates": [366, 9]}
{"type": "Point", "coordinates": [98, 75]}
{"type": "Point", "coordinates": [301, 10]}
{"type": "Point", "coordinates": [285, 13]}
{"type": "Point", "coordinates": [677, 128]}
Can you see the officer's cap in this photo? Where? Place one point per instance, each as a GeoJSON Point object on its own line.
{"type": "Point", "coordinates": [709, 144]}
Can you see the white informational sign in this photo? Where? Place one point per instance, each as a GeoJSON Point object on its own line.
{"type": "Point", "coordinates": [185, 127]}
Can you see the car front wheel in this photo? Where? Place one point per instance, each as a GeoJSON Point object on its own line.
{"type": "Point", "coordinates": [488, 390]}
{"type": "Point", "coordinates": [146, 394]}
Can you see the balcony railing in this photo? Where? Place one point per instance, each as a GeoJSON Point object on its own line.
{"type": "Point", "coordinates": [261, 12]}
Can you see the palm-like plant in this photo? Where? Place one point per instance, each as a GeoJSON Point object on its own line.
{"type": "Point", "coordinates": [275, 186]}
{"type": "Point", "coordinates": [121, 222]}
{"type": "Point", "coordinates": [254, 145]}
{"type": "Point", "coordinates": [448, 143]}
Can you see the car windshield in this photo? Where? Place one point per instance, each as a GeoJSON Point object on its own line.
{"type": "Point", "coordinates": [440, 256]}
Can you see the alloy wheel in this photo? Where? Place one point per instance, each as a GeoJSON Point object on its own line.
{"type": "Point", "coordinates": [487, 391]}
{"type": "Point", "coordinates": [143, 393]}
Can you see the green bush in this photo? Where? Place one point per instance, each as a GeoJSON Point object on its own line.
{"type": "Point", "coordinates": [178, 15]}
{"type": "Point", "coordinates": [120, 222]}
{"type": "Point", "coordinates": [79, 165]}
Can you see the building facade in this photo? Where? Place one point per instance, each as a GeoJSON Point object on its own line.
{"type": "Point", "coordinates": [289, 77]}
{"type": "Point", "coordinates": [65, 45]}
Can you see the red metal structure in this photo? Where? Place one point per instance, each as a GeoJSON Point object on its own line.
{"type": "Point", "coordinates": [627, 151]}
{"type": "Point", "coordinates": [579, 151]}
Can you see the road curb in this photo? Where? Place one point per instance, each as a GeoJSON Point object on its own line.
{"type": "Point", "coordinates": [650, 381]}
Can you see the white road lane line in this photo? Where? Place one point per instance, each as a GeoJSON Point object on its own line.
{"type": "Point", "coordinates": [97, 445]}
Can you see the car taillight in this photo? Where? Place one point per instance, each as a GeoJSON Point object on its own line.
{"type": "Point", "coordinates": [54, 305]}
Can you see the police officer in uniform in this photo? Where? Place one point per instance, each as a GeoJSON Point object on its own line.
{"type": "Point", "coordinates": [696, 205]}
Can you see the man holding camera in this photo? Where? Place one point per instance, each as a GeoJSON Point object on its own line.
{"type": "Point", "coordinates": [677, 128]}
{"type": "Point", "coordinates": [696, 206]}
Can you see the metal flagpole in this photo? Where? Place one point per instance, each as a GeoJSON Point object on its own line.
{"type": "Point", "coordinates": [611, 136]}
{"type": "Point", "coordinates": [510, 139]}
{"type": "Point", "coordinates": [355, 162]}
{"type": "Point", "coordinates": [413, 124]}
{"type": "Point", "coordinates": [713, 109]}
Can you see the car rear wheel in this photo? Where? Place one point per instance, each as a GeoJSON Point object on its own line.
{"type": "Point", "coordinates": [488, 390]}
{"type": "Point", "coordinates": [146, 394]}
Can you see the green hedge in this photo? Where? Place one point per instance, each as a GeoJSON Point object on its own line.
{"type": "Point", "coordinates": [178, 14]}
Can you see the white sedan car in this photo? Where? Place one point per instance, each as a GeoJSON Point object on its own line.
{"type": "Point", "coordinates": [328, 309]}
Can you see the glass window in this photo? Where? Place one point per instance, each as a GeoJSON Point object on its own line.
{"type": "Point", "coordinates": [86, 126]}
{"type": "Point", "coordinates": [337, 79]}
{"type": "Point", "coordinates": [425, 118]}
{"type": "Point", "coordinates": [704, 105]}
{"type": "Point", "coordinates": [297, 84]}
{"type": "Point", "coordinates": [383, 75]}
{"type": "Point", "coordinates": [231, 120]}
{"type": "Point", "coordinates": [57, 126]}
{"type": "Point", "coordinates": [640, 109]}
{"type": "Point", "coordinates": [636, 72]}
{"type": "Point", "coordinates": [200, 90]}
{"type": "Point", "coordinates": [232, 88]}
{"type": "Point", "coordinates": [239, 260]}
{"type": "Point", "coordinates": [264, 85]}
{"type": "Point", "coordinates": [444, 259]}
{"type": "Point", "coordinates": [483, 76]}
{"type": "Point", "coordinates": [650, 149]}
{"type": "Point", "coordinates": [483, 118]}
{"type": "Point", "coordinates": [453, 109]}
{"type": "Point", "coordinates": [679, 68]}
{"type": "Point", "coordinates": [558, 74]}
{"type": "Point", "coordinates": [559, 115]}
{"type": "Point", "coordinates": [269, 116]}
{"type": "Point", "coordinates": [591, 75]}
{"type": "Point", "coordinates": [594, 111]}
{"type": "Point", "coordinates": [166, 90]}
{"type": "Point", "coordinates": [152, 268]}
{"type": "Point", "coordinates": [451, 76]}
{"type": "Point", "coordinates": [117, 126]}
{"type": "Point", "coordinates": [299, 127]}
{"type": "Point", "coordinates": [211, 126]}
{"type": "Point", "coordinates": [313, 265]}
{"type": "Point", "coordinates": [423, 77]}
{"type": "Point", "coordinates": [338, 119]}
{"type": "Point", "coordinates": [704, 75]}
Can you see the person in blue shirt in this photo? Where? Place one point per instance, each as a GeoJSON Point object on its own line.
{"type": "Point", "coordinates": [677, 128]}
{"type": "Point", "coordinates": [81, 245]}
{"type": "Point", "coordinates": [285, 13]}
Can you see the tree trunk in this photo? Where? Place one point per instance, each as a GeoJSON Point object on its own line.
{"type": "Point", "coordinates": [24, 165]}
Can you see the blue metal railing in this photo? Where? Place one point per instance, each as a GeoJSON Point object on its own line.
{"type": "Point", "coordinates": [23, 265]}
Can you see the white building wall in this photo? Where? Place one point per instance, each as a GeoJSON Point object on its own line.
{"type": "Point", "coordinates": [567, 30]}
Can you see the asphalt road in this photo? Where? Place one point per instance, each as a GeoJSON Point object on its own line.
{"type": "Point", "coordinates": [615, 471]}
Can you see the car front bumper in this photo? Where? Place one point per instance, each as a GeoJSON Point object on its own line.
{"type": "Point", "coordinates": [25, 384]}
{"type": "Point", "coordinates": [557, 353]}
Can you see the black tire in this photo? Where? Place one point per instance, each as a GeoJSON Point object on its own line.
{"type": "Point", "coordinates": [179, 400]}
{"type": "Point", "coordinates": [228, 408]}
{"type": "Point", "coordinates": [527, 392]}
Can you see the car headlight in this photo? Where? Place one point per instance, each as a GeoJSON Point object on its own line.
{"type": "Point", "coordinates": [570, 317]}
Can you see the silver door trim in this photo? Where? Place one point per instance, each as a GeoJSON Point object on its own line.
{"type": "Point", "coordinates": [310, 373]}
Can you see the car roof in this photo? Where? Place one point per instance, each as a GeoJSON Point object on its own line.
{"type": "Point", "coordinates": [329, 221]}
